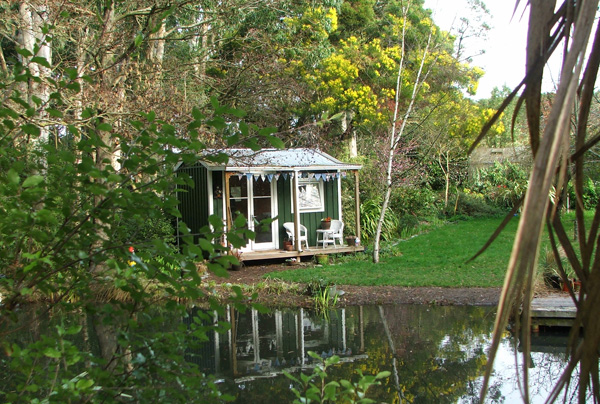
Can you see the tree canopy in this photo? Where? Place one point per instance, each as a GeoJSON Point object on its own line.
{"type": "Point", "coordinates": [102, 99]}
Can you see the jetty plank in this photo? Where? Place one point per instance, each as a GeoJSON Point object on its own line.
{"type": "Point", "coordinates": [553, 311]}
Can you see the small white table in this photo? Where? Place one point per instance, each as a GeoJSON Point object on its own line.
{"type": "Point", "coordinates": [325, 238]}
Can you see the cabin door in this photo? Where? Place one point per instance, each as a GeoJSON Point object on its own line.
{"type": "Point", "coordinates": [253, 198]}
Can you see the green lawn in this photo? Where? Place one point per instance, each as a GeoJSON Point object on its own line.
{"type": "Point", "coordinates": [437, 258]}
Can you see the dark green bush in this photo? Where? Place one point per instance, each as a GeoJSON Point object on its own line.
{"type": "Point", "coordinates": [503, 184]}
{"type": "Point", "coordinates": [369, 215]}
{"type": "Point", "coordinates": [590, 195]}
{"type": "Point", "coordinates": [414, 200]}
{"type": "Point", "coordinates": [408, 222]}
{"type": "Point", "coordinates": [475, 205]}
{"type": "Point", "coordinates": [141, 229]}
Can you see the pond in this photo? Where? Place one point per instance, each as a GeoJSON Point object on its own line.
{"type": "Point", "coordinates": [437, 354]}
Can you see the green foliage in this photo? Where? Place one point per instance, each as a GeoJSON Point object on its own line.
{"type": "Point", "coordinates": [473, 204]}
{"type": "Point", "coordinates": [407, 223]}
{"type": "Point", "coordinates": [156, 225]}
{"type": "Point", "coordinates": [549, 266]}
{"type": "Point", "coordinates": [503, 184]}
{"type": "Point", "coordinates": [70, 209]}
{"type": "Point", "coordinates": [590, 194]}
{"type": "Point", "coordinates": [414, 200]}
{"type": "Point", "coordinates": [324, 294]}
{"type": "Point", "coordinates": [370, 211]}
{"type": "Point", "coordinates": [315, 388]}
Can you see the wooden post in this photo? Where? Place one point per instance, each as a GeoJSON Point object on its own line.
{"type": "Point", "coordinates": [361, 322]}
{"type": "Point", "coordinates": [357, 203]}
{"type": "Point", "coordinates": [297, 245]}
{"type": "Point", "coordinates": [233, 341]}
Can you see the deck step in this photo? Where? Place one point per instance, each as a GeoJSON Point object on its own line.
{"type": "Point", "coordinates": [557, 311]}
{"type": "Point", "coordinates": [312, 251]}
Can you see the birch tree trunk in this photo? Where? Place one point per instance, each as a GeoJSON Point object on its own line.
{"type": "Point", "coordinates": [446, 170]}
{"type": "Point", "coordinates": [350, 133]}
{"type": "Point", "coordinates": [34, 19]}
{"type": "Point", "coordinates": [395, 132]}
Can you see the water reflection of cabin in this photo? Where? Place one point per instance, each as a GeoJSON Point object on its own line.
{"type": "Point", "coordinates": [265, 344]}
{"type": "Point", "coordinates": [294, 185]}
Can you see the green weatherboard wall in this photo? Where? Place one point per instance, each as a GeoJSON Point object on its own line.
{"type": "Point", "coordinates": [193, 201]}
{"type": "Point", "coordinates": [311, 220]}
{"type": "Point", "coordinates": [195, 212]}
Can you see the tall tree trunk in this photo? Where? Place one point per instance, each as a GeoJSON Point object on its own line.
{"type": "Point", "coordinates": [396, 134]}
{"type": "Point", "coordinates": [34, 16]}
{"type": "Point", "coordinates": [446, 170]}
{"type": "Point", "coordinates": [349, 133]}
{"type": "Point", "coordinates": [3, 65]}
{"type": "Point", "coordinates": [157, 47]}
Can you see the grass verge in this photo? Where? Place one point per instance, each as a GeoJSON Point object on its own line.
{"type": "Point", "coordinates": [436, 258]}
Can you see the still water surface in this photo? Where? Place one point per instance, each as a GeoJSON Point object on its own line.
{"type": "Point", "coordinates": [437, 354]}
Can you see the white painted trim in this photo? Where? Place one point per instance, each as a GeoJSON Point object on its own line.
{"type": "Point", "coordinates": [209, 185]}
{"type": "Point", "coordinates": [321, 186]}
{"type": "Point", "coordinates": [253, 245]}
{"type": "Point", "coordinates": [296, 213]}
{"type": "Point", "coordinates": [223, 202]}
{"type": "Point", "coordinates": [274, 244]}
{"type": "Point", "coordinates": [339, 187]}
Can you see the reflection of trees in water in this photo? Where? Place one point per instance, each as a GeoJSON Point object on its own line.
{"type": "Point", "coordinates": [112, 341]}
{"type": "Point", "coordinates": [548, 368]}
{"type": "Point", "coordinates": [546, 365]}
{"type": "Point", "coordinates": [437, 354]}
{"type": "Point", "coordinates": [438, 350]}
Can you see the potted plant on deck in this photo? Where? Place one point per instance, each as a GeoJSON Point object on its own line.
{"type": "Point", "coordinates": [326, 223]}
{"type": "Point", "coordinates": [288, 245]}
{"type": "Point", "coordinates": [237, 254]}
{"type": "Point", "coordinates": [351, 241]}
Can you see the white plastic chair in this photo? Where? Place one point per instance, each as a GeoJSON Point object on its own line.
{"type": "Point", "coordinates": [337, 232]}
{"type": "Point", "coordinates": [289, 229]}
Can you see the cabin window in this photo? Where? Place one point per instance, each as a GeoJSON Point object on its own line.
{"type": "Point", "coordinates": [310, 195]}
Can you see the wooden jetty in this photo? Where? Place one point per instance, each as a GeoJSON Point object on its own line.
{"type": "Point", "coordinates": [554, 311]}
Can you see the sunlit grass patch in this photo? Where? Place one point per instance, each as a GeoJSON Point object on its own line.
{"type": "Point", "coordinates": [436, 258]}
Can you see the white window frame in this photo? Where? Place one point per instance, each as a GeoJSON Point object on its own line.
{"type": "Point", "coordinates": [320, 207]}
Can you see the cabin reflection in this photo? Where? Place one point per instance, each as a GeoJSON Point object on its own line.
{"type": "Point", "coordinates": [264, 344]}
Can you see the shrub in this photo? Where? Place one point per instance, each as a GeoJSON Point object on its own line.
{"type": "Point", "coordinates": [155, 225]}
{"type": "Point", "coordinates": [414, 200]}
{"type": "Point", "coordinates": [475, 205]}
{"type": "Point", "coordinates": [503, 184]}
{"type": "Point", "coordinates": [70, 224]}
{"type": "Point", "coordinates": [369, 214]}
{"type": "Point", "coordinates": [408, 222]}
{"type": "Point", "coordinates": [590, 195]}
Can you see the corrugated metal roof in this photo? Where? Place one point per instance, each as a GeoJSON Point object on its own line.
{"type": "Point", "coordinates": [277, 159]}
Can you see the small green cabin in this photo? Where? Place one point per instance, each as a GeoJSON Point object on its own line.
{"type": "Point", "coordinates": [294, 185]}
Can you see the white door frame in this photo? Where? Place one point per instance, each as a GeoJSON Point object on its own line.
{"type": "Point", "coordinates": [252, 244]}
{"type": "Point", "coordinates": [274, 243]}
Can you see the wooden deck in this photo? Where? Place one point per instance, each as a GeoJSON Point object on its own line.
{"type": "Point", "coordinates": [556, 311]}
{"type": "Point", "coordinates": [310, 252]}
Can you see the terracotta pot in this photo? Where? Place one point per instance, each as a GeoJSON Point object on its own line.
{"type": "Point", "coordinates": [325, 225]}
{"type": "Point", "coordinates": [565, 286]}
